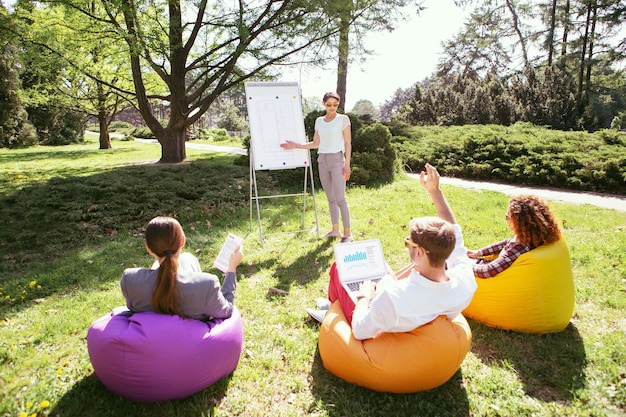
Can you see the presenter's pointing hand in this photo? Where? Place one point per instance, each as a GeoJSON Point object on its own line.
{"type": "Point", "coordinates": [288, 145]}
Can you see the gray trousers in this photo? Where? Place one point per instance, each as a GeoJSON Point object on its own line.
{"type": "Point", "coordinates": [330, 166]}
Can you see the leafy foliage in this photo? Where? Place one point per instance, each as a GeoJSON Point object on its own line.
{"type": "Point", "coordinates": [15, 129]}
{"type": "Point", "coordinates": [58, 125]}
{"type": "Point", "coordinates": [578, 84]}
{"type": "Point", "coordinates": [142, 132]}
{"type": "Point", "coordinates": [521, 154]}
{"type": "Point", "coordinates": [195, 50]}
{"type": "Point", "coordinates": [215, 135]}
{"type": "Point", "coordinates": [366, 111]}
{"type": "Point", "coordinates": [231, 120]}
{"type": "Point", "coordinates": [373, 157]}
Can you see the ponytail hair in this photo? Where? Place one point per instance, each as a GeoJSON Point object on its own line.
{"type": "Point", "coordinates": [164, 238]}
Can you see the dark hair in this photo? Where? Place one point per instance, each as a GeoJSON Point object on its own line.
{"type": "Point", "coordinates": [330, 94]}
{"type": "Point", "coordinates": [436, 236]}
{"type": "Point", "coordinates": [532, 221]}
{"type": "Point", "coordinates": [165, 237]}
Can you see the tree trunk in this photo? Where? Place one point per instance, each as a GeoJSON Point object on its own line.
{"type": "Point", "coordinates": [173, 142]}
{"type": "Point", "coordinates": [583, 55]}
{"type": "Point", "coordinates": [565, 29]}
{"type": "Point", "coordinates": [551, 32]}
{"type": "Point", "coordinates": [522, 41]}
{"type": "Point", "coordinates": [342, 67]}
{"type": "Point", "coordinates": [103, 120]}
{"type": "Point", "coordinates": [173, 146]}
{"type": "Point", "coordinates": [170, 147]}
{"type": "Point", "coordinates": [594, 19]}
{"type": "Point", "coordinates": [105, 138]}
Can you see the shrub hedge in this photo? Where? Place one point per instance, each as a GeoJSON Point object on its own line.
{"type": "Point", "coordinates": [519, 154]}
{"type": "Point", "coordinates": [215, 134]}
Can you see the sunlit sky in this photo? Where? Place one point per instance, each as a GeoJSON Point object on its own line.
{"type": "Point", "coordinates": [400, 59]}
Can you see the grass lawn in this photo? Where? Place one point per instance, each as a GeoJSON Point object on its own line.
{"type": "Point", "coordinates": [72, 221]}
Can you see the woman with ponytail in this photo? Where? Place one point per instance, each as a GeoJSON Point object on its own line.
{"type": "Point", "coordinates": [175, 284]}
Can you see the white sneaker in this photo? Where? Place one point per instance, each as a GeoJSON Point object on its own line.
{"type": "Point", "coordinates": [317, 314]}
{"type": "Point", "coordinates": [322, 303]}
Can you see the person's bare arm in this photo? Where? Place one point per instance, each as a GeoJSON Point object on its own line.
{"type": "Point", "coordinates": [347, 143]}
{"type": "Point", "coordinates": [308, 145]}
{"type": "Point", "coordinates": [430, 181]}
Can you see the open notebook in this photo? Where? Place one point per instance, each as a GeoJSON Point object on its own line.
{"type": "Point", "coordinates": [359, 261]}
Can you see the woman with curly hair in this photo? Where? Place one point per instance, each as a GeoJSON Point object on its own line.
{"type": "Point", "coordinates": [533, 224]}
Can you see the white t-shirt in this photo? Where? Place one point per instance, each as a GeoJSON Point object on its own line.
{"type": "Point", "coordinates": [331, 133]}
{"type": "Point", "coordinates": [411, 302]}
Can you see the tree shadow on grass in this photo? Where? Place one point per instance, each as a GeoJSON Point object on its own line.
{"type": "Point", "coordinates": [308, 267]}
{"type": "Point", "coordinates": [302, 270]}
{"type": "Point", "coordinates": [550, 366]}
{"type": "Point", "coordinates": [47, 226]}
{"type": "Point", "coordinates": [89, 397]}
{"type": "Point", "coordinates": [340, 398]}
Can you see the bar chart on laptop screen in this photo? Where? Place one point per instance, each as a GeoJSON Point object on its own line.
{"type": "Point", "coordinates": [363, 257]}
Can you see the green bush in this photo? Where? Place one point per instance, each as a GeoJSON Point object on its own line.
{"type": "Point", "coordinates": [373, 157]}
{"type": "Point", "coordinates": [120, 126]}
{"type": "Point", "coordinates": [16, 133]}
{"type": "Point", "coordinates": [215, 135]}
{"type": "Point", "coordinates": [520, 154]}
{"type": "Point", "coordinates": [142, 132]}
{"type": "Point", "coordinates": [70, 129]}
{"type": "Point", "coordinates": [57, 125]}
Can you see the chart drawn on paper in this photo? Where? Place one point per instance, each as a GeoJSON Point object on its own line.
{"type": "Point", "coordinates": [275, 116]}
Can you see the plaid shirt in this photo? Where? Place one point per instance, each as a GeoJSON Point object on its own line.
{"type": "Point", "coordinates": [508, 249]}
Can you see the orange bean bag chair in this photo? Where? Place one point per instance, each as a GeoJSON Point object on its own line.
{"type": "Point", "coordinates": [534, 295]}
{"type": "Point", "coordinates": [419, 360]}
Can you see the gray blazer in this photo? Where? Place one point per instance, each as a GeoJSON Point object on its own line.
{"type": "Point", "coordinates": [199, 293]}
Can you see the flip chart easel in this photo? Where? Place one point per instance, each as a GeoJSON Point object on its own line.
{"type": "Point", "coordinates": [275, 116]}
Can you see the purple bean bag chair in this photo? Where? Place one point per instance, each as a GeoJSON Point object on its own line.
{"type": "Point", "coordinates": [151, 357]}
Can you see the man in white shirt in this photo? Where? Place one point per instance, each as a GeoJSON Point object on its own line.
{"type": "Point", "coordinates": [439, 280]}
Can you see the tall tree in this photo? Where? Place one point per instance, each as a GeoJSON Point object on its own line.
{"type": "Point", "coordinates": [551, 29]}
{"type": "Point", "coordinates": [354, 19]}
{"type": "Point", "coordinates": [15, 128]}
{"type": "Point", "coordinates": [513, 10]}
{"type": "Point", "coordinates": [511, 16]}
{"type": "Point", "coordinates": [199, 50]}
{"type": "Point", "coordinates": [395, 106]}
{"type": "Point", "coordinates": [101, 84]}
{"type": "Point", "coordinates": [96, 75]}
{"type": "Point", "coordinates": [365, 108]}
{"type": "Point", "coordinates": [478, 48]}
{"type": "Point", "coordinates": [566, 28]}
{"type": "Point", "coordinates": [345, 10]}
{"type": "Point", "coordinates": [585, 44]}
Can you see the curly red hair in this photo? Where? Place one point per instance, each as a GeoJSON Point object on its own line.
{"type": "Point", "coordinates": [532, 221]}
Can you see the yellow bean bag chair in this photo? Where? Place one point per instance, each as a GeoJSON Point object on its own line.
{"type": "Point", "coordinates": [534, 295]}
{"type": "Point", "coordinates": [419, 360]}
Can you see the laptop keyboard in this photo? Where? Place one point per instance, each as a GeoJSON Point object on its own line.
{"type": "Point", "coordinates": [354, 285]}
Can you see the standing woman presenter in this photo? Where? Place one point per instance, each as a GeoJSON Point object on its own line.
{"type": "Point", "coordinates": [333, 140]}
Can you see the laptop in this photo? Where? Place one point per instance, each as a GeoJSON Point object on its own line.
{"type": "Point", "coordinates": [359, 261]}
